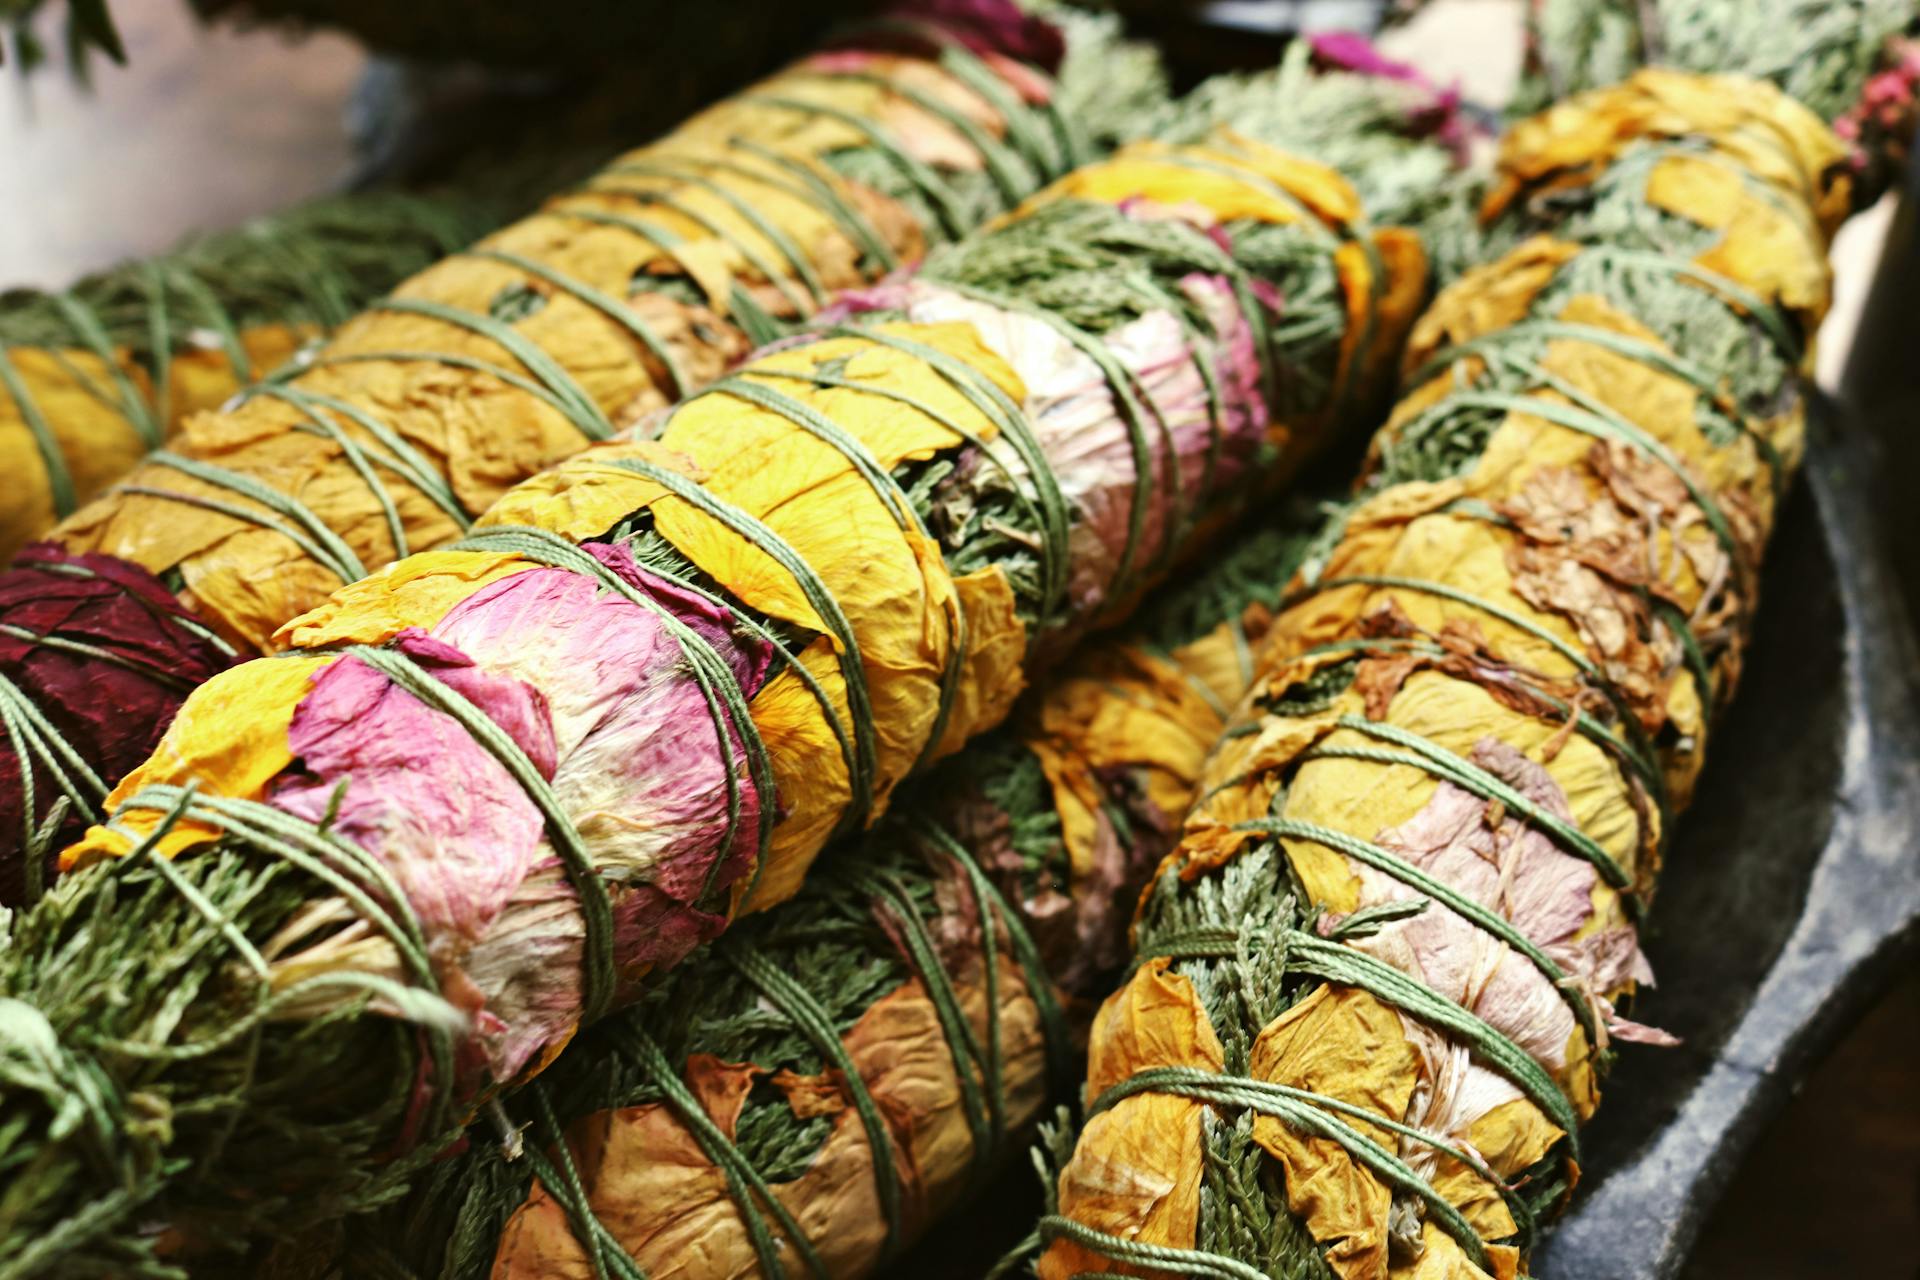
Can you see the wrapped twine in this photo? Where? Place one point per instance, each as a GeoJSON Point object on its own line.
{"type": "Point", "coordinates": [805, 1097]}
{"type": "Point", "coordinates": [95, 376]}
{"type": "Point", "coordinates": [652, 682]}
{"type": "Point", "coordinates": [1375, 985]}
{"type": "Point", "coordinates": [1849, 61]}
{"type": "Point", "coordinates": [582, 317]}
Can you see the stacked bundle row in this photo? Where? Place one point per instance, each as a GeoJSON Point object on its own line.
{"type": "Point", "coordinates": [808, 1094]}
{"type": "Point", "coordinates": [565, 328]}
{"type": "Point", "coordinates": [411, 870]}
{"type": "Point", "coordinates": [488, 791]}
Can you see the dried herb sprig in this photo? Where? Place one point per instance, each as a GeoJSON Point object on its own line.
{"type": "Point", "coordinates": [318, 466]}
{"type": "Point", "coordinates": [488, 992]}
{"type": "Point", "coordinates": [1388, 951]}
{"type": "Point", "coordinates": [94, 654]}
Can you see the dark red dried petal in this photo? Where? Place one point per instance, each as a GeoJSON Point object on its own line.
{"type": "Point", "coordinates": [111, 712]}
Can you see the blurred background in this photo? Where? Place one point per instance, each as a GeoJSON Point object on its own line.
{"type": "Point", "coordinates": [208, 125]}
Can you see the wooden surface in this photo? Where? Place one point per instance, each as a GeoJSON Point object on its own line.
{"type": "Point", "coordinates": [205, 129]}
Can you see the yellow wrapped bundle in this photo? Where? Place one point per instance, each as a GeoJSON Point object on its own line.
{"type": "Point", "coordinates": [572, 324]}
{"type": "Point", "coordinates": [1377, 981]}
{"type": "Point", "coordinates": [492, 790]}
{"type": "Point", "coordinates": [93, 377]}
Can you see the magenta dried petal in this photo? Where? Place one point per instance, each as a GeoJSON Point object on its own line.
{"type": "Point", "coordinates": [640, 768]}
{"type": "Point", "coordinates": [414, 789]}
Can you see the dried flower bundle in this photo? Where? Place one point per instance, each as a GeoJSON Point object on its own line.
{"type": "Point", "coordinates": [1376, 984]}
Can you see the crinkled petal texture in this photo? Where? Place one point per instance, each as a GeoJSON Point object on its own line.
{"type": "Point", "coordinates": [98, 656]}
{"type": "Point", "coordinates": [1492, 690]}
{"type": "Point", "coordinates": [642, 640]}
{"type": "Point", "coordinates": [630, 292]}
{"type": "Point", "coordinates": [643, 775]}
{"type": "Point", "coordinates": [391, 773]}
{"type": "Point", "coordinates": [1092, 447]}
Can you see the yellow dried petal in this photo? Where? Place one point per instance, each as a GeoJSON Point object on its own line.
{"type": "Point", "coordinates": [888, 580]}
{"type": "Point", "coordinates": [76, 396]}
{"type": "Point", "coordinates": [1192, 176]}
{"type": "Point", "coordinates": [994, 673]}
{"type": "Point", "coordinates": [1344, 1044]}
{"type": "Point", "coordinates": [415, 592]}
{"type": "Point", "coordinates": [230, 737]}
{"type": "Point", "coordinates": [1136, 1171]}
{"type": "Point", "coordinates": [470, 417]}
{"type": "Point", "coordinates": [1441, 1258]}
{"type": "Point", "coordinates": [587, 495]}
{"type": "Point", "coordinates": [1120, 709]}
